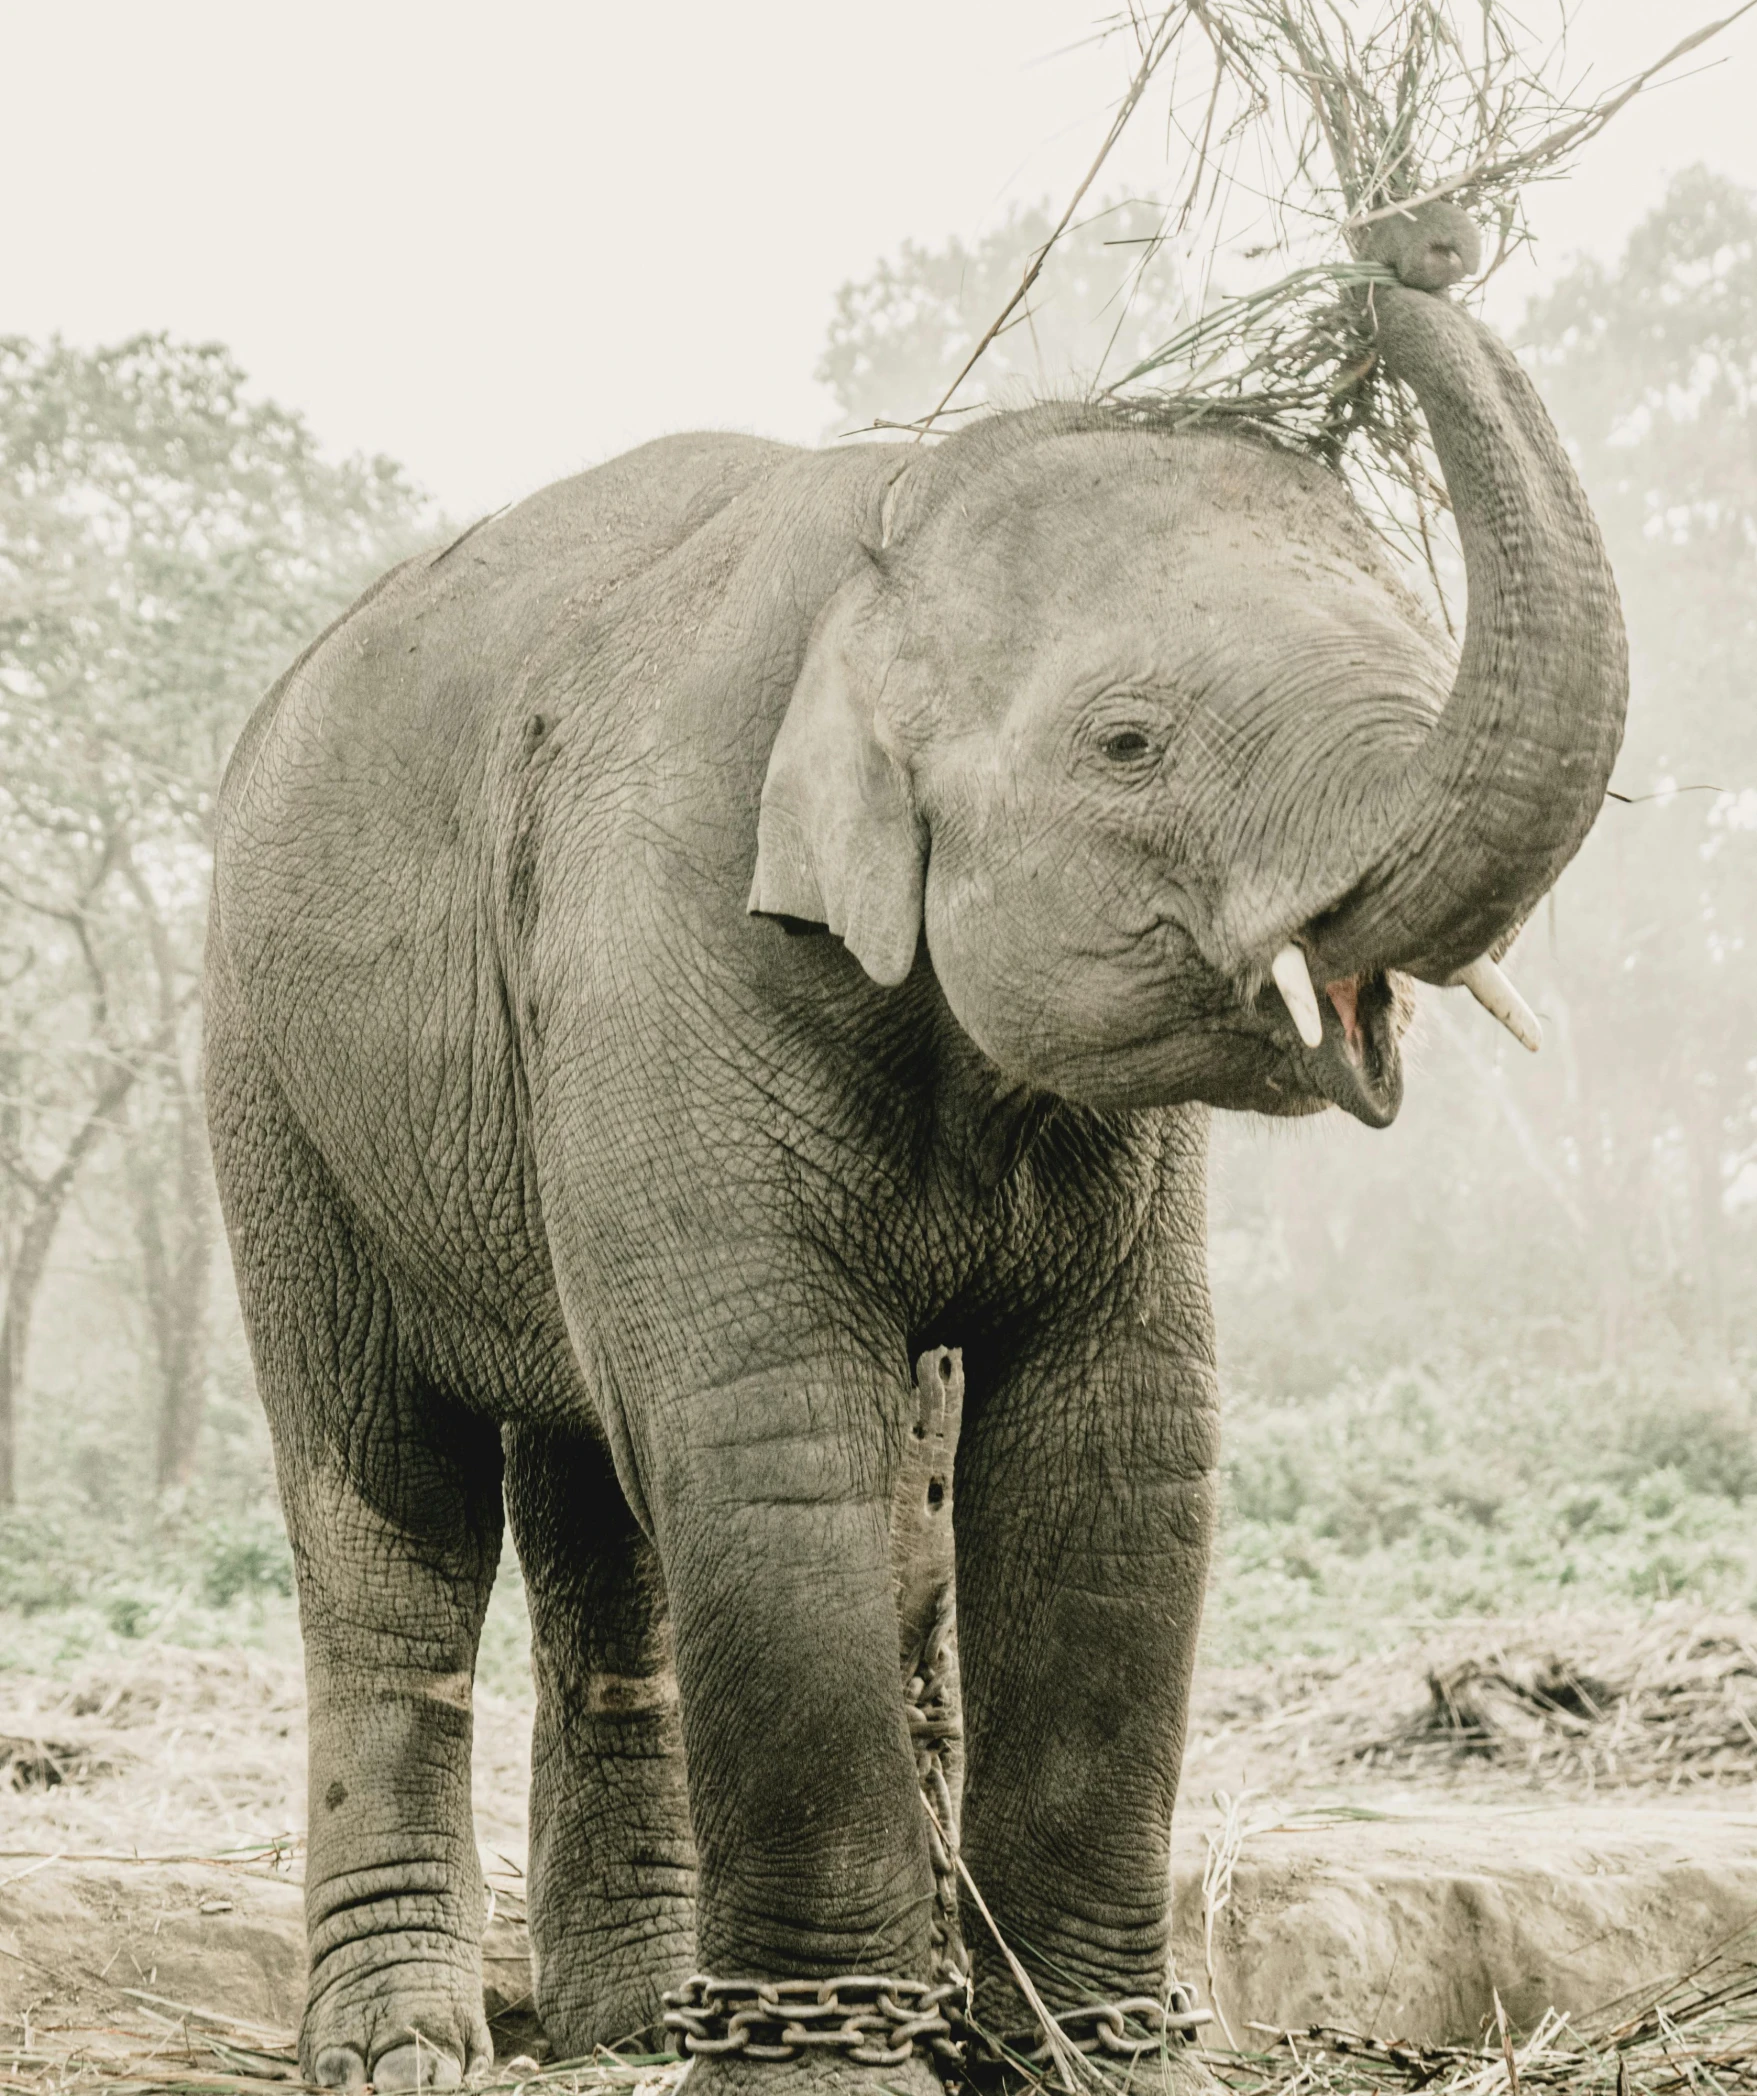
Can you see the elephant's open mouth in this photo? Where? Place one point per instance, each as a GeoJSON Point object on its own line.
{"type": "Point", "coordinates": [1356, 1065]}
{"type": "Point", "coordinates": [1254, 1060]}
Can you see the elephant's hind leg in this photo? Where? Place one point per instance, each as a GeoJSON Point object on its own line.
{"type": "Point", "coordinates": [392, 1589]}
{"type": "Point", "coordinates": [612, 1870]}
{"type": "Point", "coordinates": [392, 1498]}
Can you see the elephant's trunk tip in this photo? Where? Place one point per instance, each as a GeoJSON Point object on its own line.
{"type": "Point", "coordinates": [1431, 246]}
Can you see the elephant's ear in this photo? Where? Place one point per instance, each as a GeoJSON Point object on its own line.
{"type": "Point", "coordinates": [839, 841]}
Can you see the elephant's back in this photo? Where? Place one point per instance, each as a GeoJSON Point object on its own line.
{"type": "Point", "coordinates": [355, 847]}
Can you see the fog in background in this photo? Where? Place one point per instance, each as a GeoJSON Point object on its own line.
{"type": "Point", "coordinates": [502, 246]}
{"type": "Point", "coordinates": [405, 265]}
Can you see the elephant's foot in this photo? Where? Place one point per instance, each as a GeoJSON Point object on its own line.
{"type": "Point", "coordinates": [581, 2009]}
{"type": "Point", "coordinates": [825, 2073]}
{"type": "Point", "coordinates": [417, 2027]}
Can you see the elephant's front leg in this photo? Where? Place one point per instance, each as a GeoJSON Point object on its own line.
{"type": "Point", "coordinates": [770, 1499]}
{"type": "Point", "coordinates": [1085, 1512]}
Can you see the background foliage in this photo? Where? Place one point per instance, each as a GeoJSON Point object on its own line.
{"type": "Point", "coordinates": [167, 543]}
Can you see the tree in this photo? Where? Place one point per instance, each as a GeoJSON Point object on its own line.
{"type": "Point", "coordinates": [1110, 293]}
{"type": "Point", "coordinates": [166, 543]}
{"type": "Point", "coordinates": [1651, 368]}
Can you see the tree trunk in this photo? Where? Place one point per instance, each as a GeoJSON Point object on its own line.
{"type": "Point", "coordinates": [47, 1202]}
{"type": "Point", "coordinates": [1705, 1137]}
{"type": "Point", "coordinates": [176, 1237]}
{"type": "Point", "coordinates": [179, 1266]}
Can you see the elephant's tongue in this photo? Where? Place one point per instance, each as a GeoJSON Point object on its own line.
{"type": "Point", "coordinates": [1356, 1066]}
{"type": "Point", "coordinates": [1345, 996]}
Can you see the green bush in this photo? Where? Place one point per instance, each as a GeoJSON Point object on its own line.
{"type": "Point", "coordinates": [1351, 1519]}
{"type": "Point", "coordinates": [74, 1575]}
{"type": "Point", "coordinates": [254, 1561]}
{"type": "Point", "coordinates": [38, 1562]}
{"type": "Point", "coordinates": [1704, 1438]}
{"type": "Point", "coordinates": [130, 1616]}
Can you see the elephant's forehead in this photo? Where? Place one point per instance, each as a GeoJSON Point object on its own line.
{"type": "Point", "coordinates": [1091, 486]}
{"type": "Point", "coordinates": [1108, 522]}
{"type": "Point", "coordinates": [1202, 563]}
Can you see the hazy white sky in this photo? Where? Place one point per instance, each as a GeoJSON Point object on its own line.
{"type": "Point", "coordinates": [503, 242]}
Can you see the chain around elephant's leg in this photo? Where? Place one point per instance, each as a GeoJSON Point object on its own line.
{"type": "Point", "coordinates": [771, 1503]}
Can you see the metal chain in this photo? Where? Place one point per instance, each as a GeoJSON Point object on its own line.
{"type": "Point", "coordinates": [930, 1705]}
{"type": "Point", "coordinates": [877, 2022]}
{"type": "Point", "coordinates": [1101, 2029]}
{"type": "Point", "coordinates": [922, 1571]}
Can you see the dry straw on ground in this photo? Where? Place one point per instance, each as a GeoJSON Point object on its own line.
{"type": "Point", "coordinates": [1578, 1704]}
{"type": "Point", "coordinates": [1569, 1703]}
{"type": "Point", "coordinates": [1697, 2032]}
{"type": "Point", "coordinates": [1671, 1708]}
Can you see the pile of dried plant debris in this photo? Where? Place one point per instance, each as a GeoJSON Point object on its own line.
{"type": "Point", "coordinates": [1668, 1708]}
{"type": "Point", "coordinates": [38, 1763]}
{"type": "Point", "coordinates": [1569, 1702]}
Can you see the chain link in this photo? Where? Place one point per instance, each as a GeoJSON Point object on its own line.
{"type": "Point", "coordinates": [930, 1706]}
{"type": "Point", "coordinates": [1100, 2030]}
{"type": "Point", "coordinates": [876, 2021]}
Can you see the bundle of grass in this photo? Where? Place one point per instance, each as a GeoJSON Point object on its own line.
{"type": "Point", "coordinates": [1342, 120]}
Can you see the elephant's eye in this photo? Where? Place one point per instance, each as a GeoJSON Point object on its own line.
{"type": "Point", "coordinates": [1125, 745]}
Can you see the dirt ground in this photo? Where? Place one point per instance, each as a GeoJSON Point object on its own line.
{"type": "Point", "coordinates": [1557, 1814]}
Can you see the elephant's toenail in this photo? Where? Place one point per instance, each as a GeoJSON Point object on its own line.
{"type": "Point", "coordinates": [417, 2066]}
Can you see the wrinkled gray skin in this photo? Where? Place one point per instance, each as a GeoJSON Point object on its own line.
{"type": "Point", "coordinates": [550, 1167]}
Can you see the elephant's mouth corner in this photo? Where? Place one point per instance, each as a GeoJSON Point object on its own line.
{"type": "Point", "coordinates": [1356, 1064]}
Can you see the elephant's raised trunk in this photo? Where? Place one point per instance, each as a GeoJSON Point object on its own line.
{"type": "Point", "coordinates": [1514, 771]}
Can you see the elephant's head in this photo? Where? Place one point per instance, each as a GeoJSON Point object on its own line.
{"type": "Point", "coordinates": [1142, 726]}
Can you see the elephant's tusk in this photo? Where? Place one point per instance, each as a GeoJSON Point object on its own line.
{"type": "Point", "coordinates": [1294, 980]}
{"type": "Point", "coordinates": [1496, 995]}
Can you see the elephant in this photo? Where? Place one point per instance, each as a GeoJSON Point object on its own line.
{"type": "Point", "coordinates": [742, 918]}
